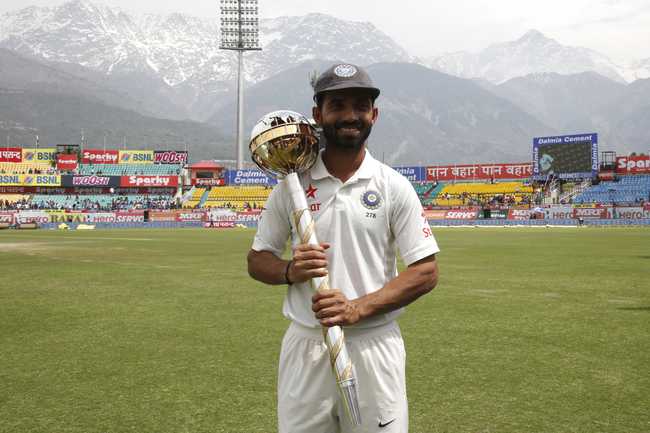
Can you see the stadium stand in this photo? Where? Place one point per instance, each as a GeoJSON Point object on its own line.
{"type": "Point", "coordinates": [130, 169]}
{"type": "Point", "coordinates": [628, 189]}
{"type": "Point", "coordinates": [427, 192]}
{"type": "Point", "coordinates": [479, 193]}
{"type": "Point", "coordinates": [101, 202]}
{"type": "Point", "coordinates": [238, 197]}
{"type": "Point", "coordinates": [195, 198]}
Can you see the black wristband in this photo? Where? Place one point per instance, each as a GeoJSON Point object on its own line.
{"type": "Point", "coordinates": [286, 273]}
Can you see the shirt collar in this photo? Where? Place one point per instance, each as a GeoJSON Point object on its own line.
{"type": "Point", "coordinates": [365, 171]}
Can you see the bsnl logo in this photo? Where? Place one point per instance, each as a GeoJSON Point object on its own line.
{"type": "Point", "coordinates": [137, 157]}
{"type": "Point", "coordinates": [41, 180]}
{"type": "Point", "coordinates": [39, 156]}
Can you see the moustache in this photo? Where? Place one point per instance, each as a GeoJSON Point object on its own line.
{"type": "Point", "coordinates": [356, 125]}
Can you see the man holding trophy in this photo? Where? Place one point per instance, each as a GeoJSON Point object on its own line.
{"type": "Point", "coordinates": [364, 213]}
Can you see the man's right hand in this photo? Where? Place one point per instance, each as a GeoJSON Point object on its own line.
{"type": "Point", "coordinates": [309, 261]}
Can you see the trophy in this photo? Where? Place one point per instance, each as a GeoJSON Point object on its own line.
{"type": "Point", "coordinates": [283, 144]}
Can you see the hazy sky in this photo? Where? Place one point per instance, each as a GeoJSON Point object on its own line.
{"type": "Point", "coordinates": [617, 28]}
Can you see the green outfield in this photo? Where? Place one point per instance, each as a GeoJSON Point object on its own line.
{"type": "Point", "coordinates": [156, 331]}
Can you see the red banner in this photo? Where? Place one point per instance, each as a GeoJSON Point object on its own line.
{"type": "Point", "coordinates": [149, 181]}
{"type": "Point", "coordinates": [591, 213]}
{"type": "Point", "coordinates": [633, 164]}
{"type": "Point", "coordinates": [434, 214]}
{"type": "Point", "coordinates": [208, 182]}
{"type": "Point", "coordinates": [631, 213]}
{"type": "Point", "coordinates": [7, 217]}
{"type": "Point", "coordinates": [646, 206]}
{"type": "Point", "coordinates": [66, 161]}
{"type": "Point", "coordinates": [522, 170]}
{"type": "Point", "coordinates": [11, 154]}
{"type": "Point", "coordinates": [96, 156]}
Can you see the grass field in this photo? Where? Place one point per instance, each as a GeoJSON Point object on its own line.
{"type": "Point", "coordinates": [529, 330]}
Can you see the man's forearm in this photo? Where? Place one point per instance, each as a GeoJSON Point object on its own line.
{"type": "Point", "coordinates": [266, 267]}
{"type": "Point", "coordinates": [408, 286]}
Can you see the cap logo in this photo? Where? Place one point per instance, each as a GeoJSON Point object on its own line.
{"type": "Point", "coordinates": [345, 71]}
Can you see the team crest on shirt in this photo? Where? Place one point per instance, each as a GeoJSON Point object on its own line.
{"type": "Point", "coordinates": [371, 200]}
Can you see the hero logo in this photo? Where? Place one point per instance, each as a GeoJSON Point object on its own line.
{"type": "Point", "coordinates": [461, 215]}
{"type": "Point", "coordinates": [100, 157]}
{"type": "Point", "coordinates": [170, 157]}
{"type": "Point", "coordinates": [149, 180]}
{"type": "Point", "coordinates": [91, 181]}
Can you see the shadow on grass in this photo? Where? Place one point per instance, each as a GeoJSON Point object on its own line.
{"type": "Point", "coordinates": [634, 308]}
{"type": "Point", "coordinates": [644, 257]}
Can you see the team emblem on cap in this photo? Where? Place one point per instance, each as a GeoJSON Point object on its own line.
{"type": "Point", "coordinates": [345, 71]}
{"type": "Point", "coordinates": [371, 200]}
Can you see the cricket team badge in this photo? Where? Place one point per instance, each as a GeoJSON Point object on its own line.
{"type": "Point", "coordinates": [371, 200]}
{"type": "Point", "coordinates": [345, 71]}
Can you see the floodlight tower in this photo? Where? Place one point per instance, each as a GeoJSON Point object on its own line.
{"type": "Point", "coordinates": [240, 32]}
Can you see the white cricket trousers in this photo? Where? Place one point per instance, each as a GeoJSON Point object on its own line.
{"type": "Point", "coordinates": [308, 399]}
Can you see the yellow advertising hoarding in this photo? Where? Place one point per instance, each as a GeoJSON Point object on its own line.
{"type": "Point", "coordinates": [136, 157]}
{"type": "Point", "coordinates": [39, 155]}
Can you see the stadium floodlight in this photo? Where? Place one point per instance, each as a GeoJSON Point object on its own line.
{"type": "Point", "coordinates": [240, 32]}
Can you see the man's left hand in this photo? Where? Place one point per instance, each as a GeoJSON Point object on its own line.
{"type": "Point", "coordinates": [332, 308]}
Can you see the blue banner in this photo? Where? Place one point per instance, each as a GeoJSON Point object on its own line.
{"type": "Point", "coordinates": [413, 174]}
{"type": "Point", "coordinates": [249, 176]}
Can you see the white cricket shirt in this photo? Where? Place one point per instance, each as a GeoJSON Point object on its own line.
{"type": "Point", "coordinates": [367, 220]}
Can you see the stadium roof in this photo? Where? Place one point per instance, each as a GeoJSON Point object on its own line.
{"type": "Point", "coordinates": [206, 164]}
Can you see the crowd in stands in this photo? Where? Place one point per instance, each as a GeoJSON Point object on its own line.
{"type": "Point", "coordinates": [79, 202]}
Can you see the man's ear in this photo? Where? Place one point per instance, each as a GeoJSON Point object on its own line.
{"type": "Point", "coordinates": [375, 114]}
{"type": "Point", "coordinates": [316, 114]}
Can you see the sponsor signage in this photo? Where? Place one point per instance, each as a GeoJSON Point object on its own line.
{"type": "Point", "coordinates": [91, 181]}
{"type": "Point", "coordinates": [519, 214]}
{"type": "Point", "coordinates": [129, 217]}
{"type": "Point", "coordinates": [522, 170]}
{"type": "Point", "coordinates": [32, 216]}
{"type": "Point", "coordinates": [498, 214]}
{"type": "Point", "coordinates": [632, 213]}
{"type": "Point", "coordinates": [39, 155]}
{"type": "Point", "coordinates": [208, 181]}
{"type": "Point", "coordinates": [560, 212]}
{"type": "Point", "coordinates": [149, 181]}
{"type": "Point", "coordinates": [219, 225]}
{"type": "Point", "coordinates": [461, 214]}
{"type": "Point", "coordinates": [591, 213]}
{"type": "Point", "coordinates": [413, 174]}
{"type": "Point", "coordinates": [67, 217]}
{"type": "Point", "coordinates": [169, 157]}
{"type": "Point", "coordinates": [190, 216]}
{"type": "Point", "coordinates": [435, 214]}
{"type": "Point", "coordinates": [6, 217]}
{"type": "Point", "coordinates": [66, 161]}
{"type": "Point", "coordinates": [633, 164]}
{"type": "Point", "coordinates": [565, 156]}
{"type": "Point", "coordinates": [249, 176]}
{"type": "Point", "coordinates": [11, 154]}
{"type": "Point", "coordinates": [97, 156]}
{"type": "Point", "coordinates": [135, 157]}
{"type": "Point", "coordinates": [30, 180]}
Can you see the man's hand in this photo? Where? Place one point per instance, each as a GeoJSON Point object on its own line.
{"type": "Point", "coordinates": [309, 261]}
{"type": "Point", "coordinates": [332, 308]}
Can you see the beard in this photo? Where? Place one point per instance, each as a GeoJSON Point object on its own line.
{"type": "Point", "coordinates": [335, 137]}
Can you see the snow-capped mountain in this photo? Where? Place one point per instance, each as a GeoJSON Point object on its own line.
{"type": "Point", "coordinates": [638, 70]}
{"type": "Point", "coordinates": [532, 53]}
{"type": "Point", "coordinates": [183, 50]}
